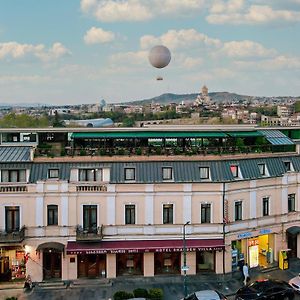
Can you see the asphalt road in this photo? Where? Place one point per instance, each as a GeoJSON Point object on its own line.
{"type": "Point", "coordinates": [172, 286]}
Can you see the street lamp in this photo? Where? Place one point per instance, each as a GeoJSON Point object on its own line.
{"type": "Point", "coordinates": [184, 260]}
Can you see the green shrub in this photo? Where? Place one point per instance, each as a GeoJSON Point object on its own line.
{"type": "Point", "coordinates": [140, 293]}
{"type": "Point", "coordinates": [12, 298]}
{"type": "Point", "coordinates": [138, 151]}
{"type": "Point", "coordinates": [121, 295]}
{"type": "Point", "coordinates": [82, 152]}
{"type": "Point", "coordinates": [156, 293]}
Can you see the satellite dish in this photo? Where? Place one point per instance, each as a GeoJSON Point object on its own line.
{"type": "Point", "coordinates": [159, 56]}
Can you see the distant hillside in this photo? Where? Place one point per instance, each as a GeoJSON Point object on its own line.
{"type": "Point", "coordinates": [177, 98]}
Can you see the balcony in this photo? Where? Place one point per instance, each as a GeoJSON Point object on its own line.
{"type": "Point", "coordinates": [91, 188]}
{"type": "Point", "coordinates": [89, 235]}
{"type": "Point", "coordinates": [13, 189]}
{"type": "Point", "coordinates": [12, 237]}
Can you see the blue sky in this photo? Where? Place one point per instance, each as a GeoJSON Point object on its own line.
{"type": "Point", "coordinates": [82, 51]}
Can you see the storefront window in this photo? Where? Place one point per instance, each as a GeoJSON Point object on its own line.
{"type": "Point", "coordinates": [205, 261]}
{"type": "Point", "coordinates": [130, 264]}
{"type": "Point", "coordinates": [167, 263]}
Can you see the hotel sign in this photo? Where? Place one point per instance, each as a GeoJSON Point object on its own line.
{"type": "Point", "coordinates": [146, 250]}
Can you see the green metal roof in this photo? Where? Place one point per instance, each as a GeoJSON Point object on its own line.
{"type": "Point", "coordinates": [148, 134]}
{"type": "Point", "coordinates": [244, 134]}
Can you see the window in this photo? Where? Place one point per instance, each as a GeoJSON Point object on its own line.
{"type": "Point", "coordinates": [53, 173]}
{"type": "Point", "coordinates": [287, 166]}
{"type": "Point", "coordinates": [52, 214]}
{"type": "Point", "coordinates": [234, 170]}
{"type": "Point", "coordinates": [262, 169]}
{"type": "Point", "coordinates": [205, 213]}
{"type": "Point", "coordinates": [204, 172]}
{"type": "Point", "coordinates": [130, 214]}
{"type": "Point", "coordinates": [129, 173]}
{"type": "Point", "coordinates": [265, 210]}
{"type": "Point", "coordinates": [238, 211]}
{"type": "Point", "coordinates": [167, 173]}
{"type": "Point", "coordinates": [90, 218]}
{"type": "Point", "coordinates": [13, 176]}
{"type": "Point", "coordinates": [168, 214]}
{"type": "Point", "coordinates": [291, 202]}
{"type": "Point", "coordinates": [12, 218]}
{"type": "Point", "coordinates": [90, 174]}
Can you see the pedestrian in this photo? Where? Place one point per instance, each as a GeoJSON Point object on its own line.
{"type": "Point", "coordinates": [246, 273]}
{"type": "Point", "coordinates": [28, 283]}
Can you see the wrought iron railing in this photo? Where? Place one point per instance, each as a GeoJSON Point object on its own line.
{"type": "Point", "coordinates": [12, 237]}
{"type": "Point", "coordinates": [89, 234]}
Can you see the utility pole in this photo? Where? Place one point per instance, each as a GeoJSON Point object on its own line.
{"type": "Point", "coordinates": [184, 260]}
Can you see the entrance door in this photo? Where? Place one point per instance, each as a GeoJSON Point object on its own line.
{"type": "Point", "coordinates": [292, 244]}
{"type": "Point", "coordinates": [51, 264]}
{"type": "Point", "coordinates": [91, 266]}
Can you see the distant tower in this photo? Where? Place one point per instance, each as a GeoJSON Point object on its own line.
{"type": "Point", "coordinates": [204, 91]}
{"type": "Point", "coordinates": [203, 98]}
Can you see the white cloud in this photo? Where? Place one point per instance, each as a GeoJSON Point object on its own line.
{"type": "Point", "coordinates": [254, 14]}
{"type": "Point", "coordinates": [26, 78]}
{"type": "Point", "coordinates": [138, 10]}
{"type": "Point", "coordinates": [281, 62]}
{"type": "Point", "coordinates": [87, 5]}
{"type": "Point", "coordinates": [192, 62]}
{"type": "Point", "coordinates": [130, 58]}
{"type": "Point", "coordinates": [113, 11]}
{"type": "Point", "coordinates": [184, 38]}
{"type": "Point", "coordinates": [246, 49]}
{"type": "Point", "coordinates": [98, 36]}
{"type": "Point", "coordinates": [15, 50]}
{"type": "Point", "coordinates": [231, 6]}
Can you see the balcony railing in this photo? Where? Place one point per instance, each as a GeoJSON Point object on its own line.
{"type": "Point", "coordinates": [12, 237]}
{"type": "Point", "coordinates": [90, 234]}
{"type": "Point", "coordinates": [13, 189]}
{"type": "Point", "coordinates": [91, 188]}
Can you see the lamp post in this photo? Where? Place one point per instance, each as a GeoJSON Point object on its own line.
{"type": "Point", "coordinates": [184, 260]}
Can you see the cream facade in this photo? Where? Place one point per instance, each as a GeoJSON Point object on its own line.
{"type": "Point", "coordinates": [158, 212]}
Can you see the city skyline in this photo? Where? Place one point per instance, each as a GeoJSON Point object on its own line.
{"type": "Point", "coordinates": [83, 51]}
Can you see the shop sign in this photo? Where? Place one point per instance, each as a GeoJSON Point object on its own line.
{"type": "Point", "coordinates": [265, 231]}
{"type": "Point", "coordinates": [254, 242]}
{"type": "Point", "coordinates": [159, 250]}
{"type": "Point", "coordinates": [244, 235]}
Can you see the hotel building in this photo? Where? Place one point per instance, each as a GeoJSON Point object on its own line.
{"type": "Point", "coordinates": [90, 203]}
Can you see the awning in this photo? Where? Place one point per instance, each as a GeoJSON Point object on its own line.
{"type": "Point", "coordinates": [276, 137]}
{"type": "Point", "coordinates": [51, 245]}
{"type": "Point", "coordinates": [294, 230]}
{"type": "Point", "coordinates": [237, 134]}
{"type": "Point", "coordinates": [147, 134]}
{"type": "Point", "coordinates": [141, 246]}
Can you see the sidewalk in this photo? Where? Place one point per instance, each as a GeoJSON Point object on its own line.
{"type": "Point", "coordinates": [172, 285]}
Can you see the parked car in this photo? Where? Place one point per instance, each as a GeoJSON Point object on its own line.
{"type": "Point", "coordinates": [206, 295]}
{"type": "Point", "coordinates": [295, 283]}
{"type": "Point", "coordinates": [266, 289]}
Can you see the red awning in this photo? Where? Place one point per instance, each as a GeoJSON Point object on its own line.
{"type": "Point", "coordinates": [143, 246]}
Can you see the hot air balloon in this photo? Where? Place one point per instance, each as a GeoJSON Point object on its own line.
{"type": "Point", "coordinates": [159, 57]}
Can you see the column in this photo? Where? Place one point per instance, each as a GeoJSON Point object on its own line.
{"type": "Point", "coordinates": [187, 203]}
{"type": "Point", "coordinates": [111, 265]}
{"type": "Point", "coordinates": [149, 264]}
{"type": "Point", "coordinates": [253, 199]}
